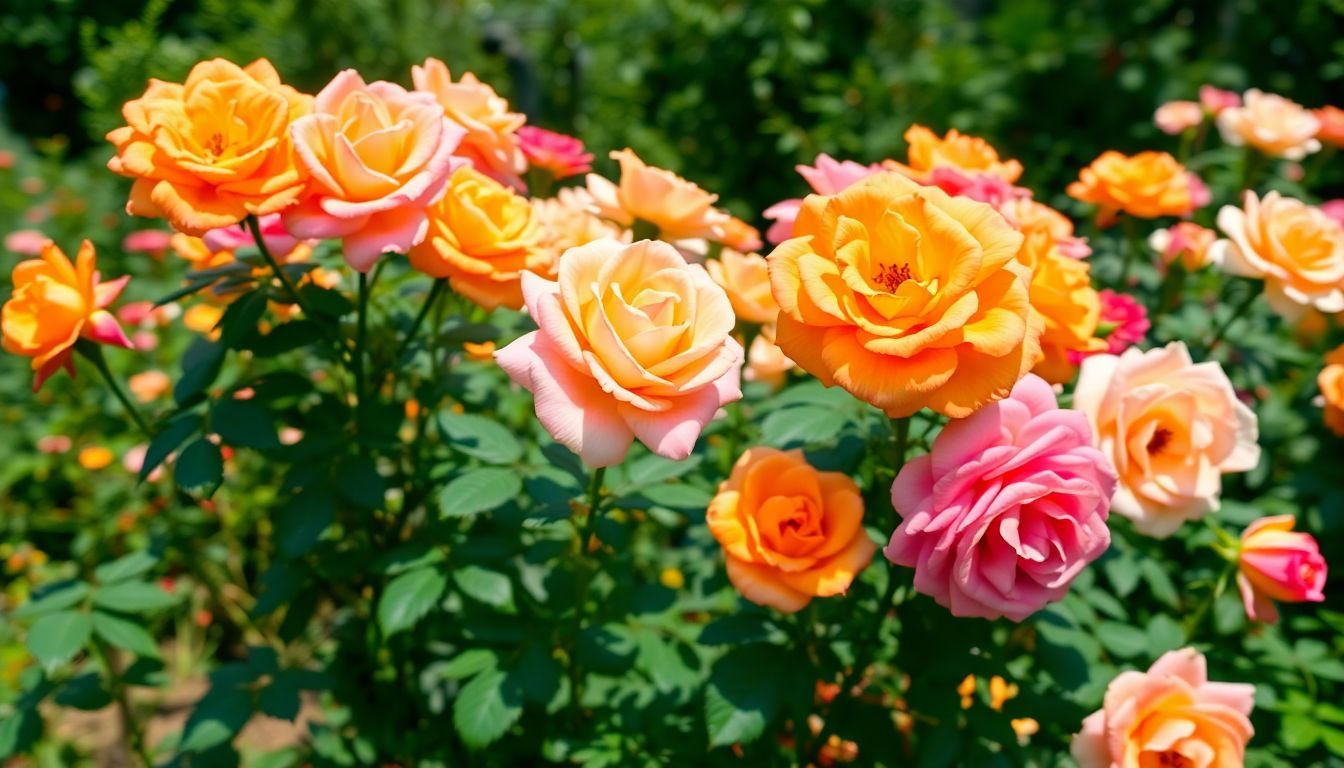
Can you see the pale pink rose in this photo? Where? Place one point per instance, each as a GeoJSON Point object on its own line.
{"type": "Point", "coordinates": [1215, 100]}
{"type": "Point", "coordinates": [1006, 509]}
{"type": "Point", "coordinates": [1177, 117]}
{"type": "Point", "coordinates": [633, 342]}
{"type": "Point", "coordinates": [1170, 715]}
{"type": "Point", "coordinates": [1272, 124]}
{"type": "Point", "coordinates": [25, 242]}
{"type": "Point", "coordinates": [827, 177]}
{"type": "Point", "coordinates": [379, 155]}
{"type": "Point", "coordinates": [153, 242]}
{"type": "Point", "coordinates": [278, 240]}
{"type": "Point", "coordinates": [490, 143]}
{"type": "Point", "coordinates": [1170, 427]}
{"type": "Point", "coordinates": [1278, 563]}
{"type": "Point", "coordinates": [54, 444]}
{"type": "Point", "coordinates": [1334, 209]}
{"type": "Point", "coordinates": [1200, 195]}
{"type": "Point", "coordinates": [562, 155]}
{"type": "Point", "coordinates": [145, 341]}
{"type": "Point", "coordinates": [148, 386]}
{"type": "Point", "coordinates": [134, 459]}
{"type": "Point", "coordinates": [1184, 241]}
{"type": "Point", "coordinates": [135, 313]}
{"type": "Point", "coordinates": [985, 187]}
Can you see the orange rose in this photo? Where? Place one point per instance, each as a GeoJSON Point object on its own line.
{"type": "Point", "coordinates": [741, 236]}
{"type": "Point", "coordinates": [678, 208]}
{"type": "Point", "coordinates": [746, 280]}
{"type": "Point", "coordinates": [209, 151]}
{"type": "Point", "coordinates": [481, 237]}
{"type": "Point", "coordinates": [1147, 185]}
{"type": "Point", "coordinates": [56, 303]}
{"type": "Point", "coordinates": [789, 532]}
{"type": "Point", "coordinates": [491, 143]}
{"type": "Point", "coordinates": [1062, 294]}
{"type": "Point", "coordinates": [1331, 382]}
{"type": "Point", "coordinates": [906, 297]}
{"type": "Point", "coordinates": [1332, 125]}
{"type": "Point", "coordinates": [565, 222]}
{"type": "Point", "coordinates": [955, 150]}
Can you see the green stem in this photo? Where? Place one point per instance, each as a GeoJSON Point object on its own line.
{"type": "Point", "coordinates": [583, 578]}
{"type": "Point", "coordinates": [1197, 619]}
{"type": "Point", "coordinates": [94, 354]}
{"type": "Point", "coordinates": [134, 733]}
{"type": "Point", "coordinates": [1231, 318]}
{"type": "Point", "coordinates": [291, 288]}
{"type": "Point", "coordinates": [1131, 248]}
{"type": "Point", "coordinates": [1250, 165]}
{"type": "Point", "coordinates": [419, 321]}
{"type": "Point", "coordinates": [361, 333]}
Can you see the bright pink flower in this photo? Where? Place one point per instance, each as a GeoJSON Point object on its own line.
{"type": "Point", "coordinates": [828, 177]}
{"type": "Point", "coordinates": [1177, 117]}
{"type": "Point", "coordinates": [1334, 209]}
{"type": "Point", "coordinates": [153, 242]}
{"type": "Point", "coordinates": [1127, 318]}
{"type": "Point", "coordinates": [1006, 509]}
{"type": "Point", "coordinates": [985, 187]}
{"type": "Point", "coordinates": [562, 155]}
{"type": "Point", "coordinates": [278, 240]}
{"type": "Point", "coordinates": [1215, 100]}
{"type": "Point", "coordinates": [1200, 195]}
{"type": "Point", "coordinates": [1280, 564]}
{"type": "Point", "coordinates": [25, 242]}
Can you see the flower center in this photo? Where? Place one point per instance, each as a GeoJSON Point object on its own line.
{"type": "Point", "coordinates": [890, 276]}
{"type": "Point", "coordinates": [1173, 759]}
{"type": "Point", "coordinates": [1159, 440]}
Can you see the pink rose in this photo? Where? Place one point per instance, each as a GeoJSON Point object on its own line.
{"type": "Point", "coordinates": [828, 177]}
{"type": "Point", "coordinates": [1177, 117]}
{"type": "Point", "coordinates": [633, 342]}
{"type": "Point", "coordinates": [1215, 100]}
{"type": "Point", "coordinates": [153, 242]}
{"type": "Point", "coordinates": [1200, 195]}
{"type": "Point", "coordinates": [1128, 320]}
{"type": "Point", "coordinates": [1171, 429]}
{"type": "Point", "coordinates": [1170, 715]}
{"type": "Point", "coordinates": [379, 155]}
{"type": "Point", "coordinates": [278, 240]}
{"type": "Point", "coordinates": [1006, 509]}
{"type": "Point", "coordinates": [25, 242]}
{"type": "Point", "coordinates": [1277, 563]}
{"type": "Point", "coordinates": [1334, 209]}
{"type": "Point", "coordinates": [562, 155]}
{"type": "Point", "coordinates": [985, 187]}
{"type": "Point", "coordinates": [490, 142]}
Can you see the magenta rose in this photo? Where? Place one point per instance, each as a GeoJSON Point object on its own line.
{"type": "Point", "coordinates": [1006, 509]}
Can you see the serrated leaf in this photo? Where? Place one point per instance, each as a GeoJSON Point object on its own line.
{"type": "Point", "coordinates": [479, 490]}
{"type": "Point", "coordinates": [486, 708]}
{"type": "Point", "coordinates": [125, 634]}
{"type": "Point", "coordinates": [409, 597]}
{"type": "Point", "coordinates": [480, 437]}
{"type": "Point", "coordinates": [55, 638]}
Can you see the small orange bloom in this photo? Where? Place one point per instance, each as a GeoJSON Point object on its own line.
{"type": "Point", "coordinates": [203, 318]}
{"type": "Point", "coordinates": [207, 152]}
{"type": "Point", "coordinates": [1063, 296]}
{"type": "Point", "coordinates": [482, 352]}
{"type": "Point", "coordinates": [1332, 125]}
{"type": "Point", "coordinates": [954, 150]}
{"type": "Point", "coordinates": [746, 280]}
{"type": "Point", "coordinates": [1331, 382]}
{"type": "Point", "coordinates": [54, 304]}
{"type": "Point", "coordinates": [482, 236]}
{"type": "Point", "coordinates": [1146, 185]}
{"type": "Point", "coordinates": [149, 385]}
{"type": "Point", "coordinates": [766, 362]}
{"type": "Point", "coordinates": [678, 208]}
{"type": "Point", "coordinates": [789, 532]}
{"type": "Point", "coordinates": [740, 236]}
{"type": "Point", "coordinates": [95, 457]}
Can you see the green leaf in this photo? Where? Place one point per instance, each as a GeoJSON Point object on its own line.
{"type": "Point", "coordinates": [805, 425]}
{"type": "Point", "coordinates": [57, 598]}
{"type": "Point", "coordinates": [126, 567]}
{"type": "Point", "coordinates": [652, 469]}
{"type": "Point", "coordinates": [468, 663]}
{"type": "Point", "coordinates": [1159, 582]}
{"type": "Point", "coordinates": [55, 638]}
{"type": "Point", "coordinates": [679, 497]}
{"type": "Point", "coordinates": [300, 523]}
{"type": "Point", "coordinates": [489, 587]}
{"type": "Point", "coordinates": [746, 689]}
{"type": "Point", "coordinates": [85, 692]}
{"type": "Point", "coordinates": [281, 698]}
{"type": "Point", "coordinates": [1299, 732]}
{"type": "Point", "coordinates": [538, 674]}
{"type": "Point", "coordinates": [19, 731]}
{"type": "Point", "coordinates": [1123, 574]}
{"type": "Point", "coordinates": [125, 634]}
{"type": "Point", "coordinates": [1122, 639]}
{"type": "Point", "coordinates": [359, 482]}
{"type": "Point", "coordinates": [201, 363]}
{"type": "Point", "coordinates": [134, 597]}
{"type": "Point", "coordinates": [736, 629]}
{"type": "Point", "coordinates": [217, 718]}
{"type": "Point", "coordinates": [244, 423]}
{"type": "Point", "coordinates": [480, 437]}
{"type": "Point", "coordinates": [241, 317]}
{"type": "Point", "coordinates": [486, 708]}
{"type": "Point", "coordinates": [479, 490]}
{"type": "Point", "coordinates": [1164, 634]}
{"type": "Point", "coordinates": [200, 469]}
{"type": "Point", "coordinates": [409, 597]}
{"type": "Point", "coordinates": [165, 442]}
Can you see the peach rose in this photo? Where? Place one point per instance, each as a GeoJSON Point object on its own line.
{"type": "Point", "coordinates": [566, 221]}
{"type": "Point", "coordinates": [954, 150]}
{"type": "Point", "coordinates": [1170, 715]}
{"type": "Point", "coordinates": [906, 297]}
{"type": "Point", "coordinates": [1294, 247]}
{"type": "Point", "coordinates": [1331, 129]}
{"type": "Point", "coordinates": [1043, 226]}
{"type": "Point", "coordinates": [766, 362]}
{"type": "Point", "coordinates": [676, 207]}
{"type": "Point", "coordinates": [1186, 242]}
{"type": "Point", "coordinates": [56, 303]}
{"type": "Point", "coordinates": [1177, 117]}
{"type": "Point", "coordinates": [1171, 427]}
{"type": "Point", "coordinates": [481, 237]}
{"type": "Point", "coordinates": [491, 141]}
{"type": "Point", "coordinates": [1062, 294]}
{"type": "Point", "coordinates": [740, 236]}
{"type": "Point", "coordinates": [379, 156]}
{"type": "Point", "coordinates": [633, 342]}
{"type": "Point", "coordinates": [1274, 125]}
{"type": "Point", "coordinates": [789, 532]}
{"type": "Point", "coordinates": [746, 279]}
{"type": "Point", "coordinates": [1331, 382]}
{"type": "Point", "coordinates": [148, 386]}
{"type": "Point", "coordinates": [210, 151]}
{"type": "Point", "coordinates": [1147, 185]}
{"type": "Point", "coordinates": [1278, 564]}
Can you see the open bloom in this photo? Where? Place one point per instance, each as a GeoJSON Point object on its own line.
{"type": "Point", "coordinates": [746, 280]}
{"type": "Point", "coordinates": [209, 151]}
{"type": "Point", "coordinates": [1008, 507]}
{"type": "Point", "coordinates": [789, 532]}
{"type": "Point", "coordinates": [955, 150]}
{"type": "Point", "coordinates": [1185, 242]}
{"type": "Point", "coordinates": [490, 141]}
{"type": "Point", "coordinates": [906, 297]}
{"type": "Point", "coordinates": [1294, 247]}
{"type": "Point", "coordinates": [985, 187]}
{"type": "Point", "coordinates": [278, 241]}
{"type": "Point", "coordinates": [1278, 564]}
{"type": "Point", "coordinates": [632, 342]}
{"type": "Point", "coordinates": [766, 362]}
{"type": "Point", "coordinates": [1171, 715]}
{"type": "Point", "coordinates": [562, 155]}
{"type": "Point", "coordinates": [740, 236]}
{"type": "Point", "coordinates": [1126, 319]}
{"type": "Point", "coordinates": [482, 236]}
{"type": "Point", "coordinates": [678, 208]}
{"type": "Point", "coordinates": [1146, 185]}
{"type": "Point", "coordinates": [1170, 427]}
{"type": "Point", "coordinates": [1331, 382]}
{"type": "Point", "coordinates": [1069, 307]}
{"type": "Point", "coordinates": [56, 303]}
{"type": "Point", "coordinates": [1274, 125]}
{"type": "Point", "coordinates": [1177, 117]}
{"type": "Point", "coordinates": [1043, 226]}
{"type": "Point", "coordinates": [826, 176]}
{"type": "Point", "coordinates": [379, 156]}
{"type": "Point", "coordinates": [566, 220]}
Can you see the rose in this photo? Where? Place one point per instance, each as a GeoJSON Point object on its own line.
{"type": "Point", "coordinates": [54, 304]}
{"type": "Point", "coordinates": [1069, 307]}
{"type": "Point", "coordinates": [1127, 318]}
{"type": "Point", "coordinates": [1043, 226]}
{"type": "Point", "coordinates": [1177, 117]}
{"type": "Point", "coordinates": [740, 236]}
{"type": "Point", "coordinates": [789, 532]}
{"type": "Point", "coordinates": [1215, 100]}
{"type": "Point", "coordinates": [1272, 124]}
{"type": "Point", "coordinates": [566, 221]}
{"type": "Point", "coordinates": [632, 342]}
{"type": "Point", "coordinates": [955, 150]}
{"type": "Point", "coordinates": [482, 236]}
{"type": "Point", "coordinates": [1295, 248]}
{"type": "Point", "coordinates": [1331, 383]}
{"type": "Point", "coordinates": [1186, 242]}
{"type": "Point", "coordinates": [985, 187]}
{"type": "Point", "coordinates": [379, 156]}
{"type": "Point", "coordinates": [278, 240]}
{"type": "Point", "coordinates": [746, 280]}
{"type": "Point", "coordinates": [1331, 129]}
{"type": "Point", "coordinates": [1147, 185]}
{"type": "Point", "coordinates": [826, 176]}
{"type": "Point", "coordinates": [766, 362]}
{"type": "Point", "coordinates": [1170, 715]}
{"type": "Point", "coordinates": [1008, 507]}
{"type": "Point", "coordinates": [1277, 563]}
{"type": "Point", "coordinates": [152, 242]}
{"type": "Point", "coordinates": [678, 208]}
{"type": "Point", "coordinates": [906, 297]}
{"type": "Point", "coordinates": [213, 149]}
{"type": "Point", "coordinates": [1170, 427]}
{"type": "Point", "coordinates": [490, 141]}
{"type": "Point", "coordinates": [562, 155]}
